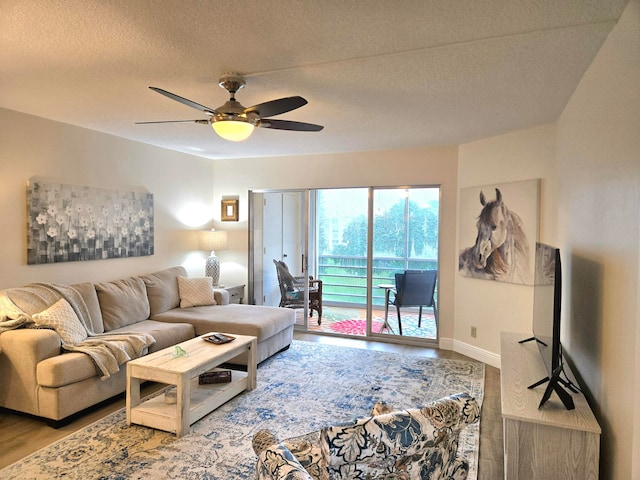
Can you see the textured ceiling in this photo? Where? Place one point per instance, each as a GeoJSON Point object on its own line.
{"type": "Point", "coordinates": [378, 74]}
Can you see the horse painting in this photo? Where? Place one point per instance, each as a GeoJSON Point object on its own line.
{"type": "Point", "coordinates": [501, 250]}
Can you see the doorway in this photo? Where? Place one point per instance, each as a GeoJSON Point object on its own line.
{"type": "Point", "coordinates": [279, 231]}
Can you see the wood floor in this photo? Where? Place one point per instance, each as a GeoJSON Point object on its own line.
{"type": "Point", "coordinates": [21, 435]}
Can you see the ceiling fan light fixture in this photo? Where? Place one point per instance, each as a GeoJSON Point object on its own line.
{"type": "Point", "coordinates": [234, 122]}
{"type": "Point", "coordinates": [234, 130]}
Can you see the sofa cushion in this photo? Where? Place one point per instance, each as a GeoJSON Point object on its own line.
{"type": "Point", "coordinates": [36, 297]}
{"type": "Point", "coordinates": [165, 334]}
{"type": "Point", "coordinates": [61, 318]}
{"type": "Point", "coordinates": [88, 292]}
{"type": "Point", "coordinates": [123, 302]}
{"type": "Point", "coordinates": [195, 292]}
{"type": "Point", "coordinates": [74, 367]}
{"type": "Point", "coordinates": [257, 320]}
{"type": "Point", "coordinates": [162, 289]}
{"type": "Point", "coordinates": [65, 369]}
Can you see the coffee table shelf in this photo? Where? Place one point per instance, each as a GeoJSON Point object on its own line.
{"type": "Point", "coordinates": [193, 401]}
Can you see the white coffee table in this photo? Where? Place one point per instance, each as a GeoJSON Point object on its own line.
{"type": "Point", "coordinates": [193, 401]}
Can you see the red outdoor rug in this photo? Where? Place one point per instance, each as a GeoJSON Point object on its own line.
{"type": "Point", "coordinates": [356, 326]}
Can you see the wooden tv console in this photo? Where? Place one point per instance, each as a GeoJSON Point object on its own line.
{"type": "Point", "coordinates": [547, 443]}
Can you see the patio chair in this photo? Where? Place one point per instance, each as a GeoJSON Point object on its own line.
{"type": "Point", "coordinates": [415, 288]}
{"type": "Point", "coordinates": [292, 290]}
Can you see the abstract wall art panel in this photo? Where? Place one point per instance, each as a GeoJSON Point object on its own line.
{"type": "Point", "coordinates": [69, 223]}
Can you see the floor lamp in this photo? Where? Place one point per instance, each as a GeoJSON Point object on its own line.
{"type": "Point", "coordinates": [213, 240]}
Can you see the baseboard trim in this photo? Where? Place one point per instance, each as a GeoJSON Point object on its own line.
{"type": "Point", "coordinates": [472, 351]}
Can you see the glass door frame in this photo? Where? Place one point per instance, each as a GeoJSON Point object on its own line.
{"type": "Point", "coordinates": [370, 267]}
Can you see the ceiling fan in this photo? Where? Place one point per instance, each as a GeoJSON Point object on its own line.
{"type": "Point", "coordinates": [232, 121]}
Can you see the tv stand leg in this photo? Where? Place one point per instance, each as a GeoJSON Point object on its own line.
{"type": "Point", "coordinates": [538, 383]}
{"type": "Point", "coordinates": [530, 339]}
{"type": "Point", "coordinates": [554, 386]}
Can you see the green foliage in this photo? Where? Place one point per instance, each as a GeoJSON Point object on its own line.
{"type": "Point", "coordinates": [405, 236]}
{"type": "Point", "coordinates": [354, 238]}
{"type": "Point", "coordinates": [393, 236]}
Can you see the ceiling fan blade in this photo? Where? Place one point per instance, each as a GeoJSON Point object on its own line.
{"type": "Point", "coordinates": [175, 121]}
{"type": "Point", "coordinates": [185, 101]}
{"type": "Point", "coordinates": [288, 125]}
{"type": "Point", "coordinates": [276, 107]}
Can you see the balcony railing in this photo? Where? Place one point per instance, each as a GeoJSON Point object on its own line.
{"type": "Point", "coordinates": [344, 278]}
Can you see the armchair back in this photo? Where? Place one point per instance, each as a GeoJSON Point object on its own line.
{"type": "Point", "coordinates": [420, 443]}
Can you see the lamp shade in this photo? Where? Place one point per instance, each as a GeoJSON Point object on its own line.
{"type": "Point", "coordinates": [213, 240]}
{"type": "Point", "coordinates": [233, 130]}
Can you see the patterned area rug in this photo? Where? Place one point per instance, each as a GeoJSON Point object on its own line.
{"type": "Point", "coordinates": [299, 391]}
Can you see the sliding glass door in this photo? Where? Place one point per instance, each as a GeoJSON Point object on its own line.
{"type": "Point", "coordinates": [355, 241]}
{"type": "Point", "coordinates": [342, 237]}
{"type": "Point", "coordinates": [404, 238]}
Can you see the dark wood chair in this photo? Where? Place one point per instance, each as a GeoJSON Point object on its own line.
{"type": "Point", "coordinates": [292, 290]}
{"type": "Point", "coordinates": [415, 288]}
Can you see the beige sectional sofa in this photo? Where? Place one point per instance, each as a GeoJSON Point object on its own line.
{"type": "Point", "coordinates": [39, 377]}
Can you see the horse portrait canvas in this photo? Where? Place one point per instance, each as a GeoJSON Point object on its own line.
{"type": "Point", "coordinates": [498, 231]}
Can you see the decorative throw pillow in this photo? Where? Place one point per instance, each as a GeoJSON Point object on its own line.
{"type": "Point", "coordinates": [61, 318]}
{"type": "Point", "coordinates": [162, 289]}
{"type": "Point", "coordinates": [195, 292]}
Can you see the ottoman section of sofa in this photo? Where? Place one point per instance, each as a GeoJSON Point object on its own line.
{"type": "Point", "coordinates": [272, 326]}
{"type": "Point", "coordinates": [256, 320]}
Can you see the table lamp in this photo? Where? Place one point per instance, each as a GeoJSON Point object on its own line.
{"type": "Point", "coordinates": [213, 240]}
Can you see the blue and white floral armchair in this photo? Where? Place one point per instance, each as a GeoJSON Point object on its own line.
{"type": "Point", "coordinates": [420, 443]}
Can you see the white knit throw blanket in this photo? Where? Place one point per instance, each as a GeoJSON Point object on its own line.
{"type": "Point", "coordinates": [107, 350]}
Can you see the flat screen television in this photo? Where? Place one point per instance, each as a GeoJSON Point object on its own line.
{"type": "Point", "coordinates": [547, 297]}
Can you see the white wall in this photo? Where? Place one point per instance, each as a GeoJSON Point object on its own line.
{"type": "Point", "coordinates": [32, 146]}
{"type": "Point", "coordinates": [434, 166]}
{"type": "Point", "coordinates": [492, 306]}
{"type": "Point", "coordinates": [599, 227]}
{"type": "Point", "coordinates": [589, 163]}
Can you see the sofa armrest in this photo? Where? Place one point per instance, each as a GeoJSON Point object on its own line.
{"type": "Point", "coordinates": [221, 295]}
{"type": "Point", "coordinates": [275, 460]}
{"type": "Point", "coordinates": [20, 352]}
{"type": "Point", "coordinates": [30, 345]}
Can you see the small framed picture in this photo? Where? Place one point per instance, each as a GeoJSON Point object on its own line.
{"type": "Point", "coordinates": [229, 211]}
